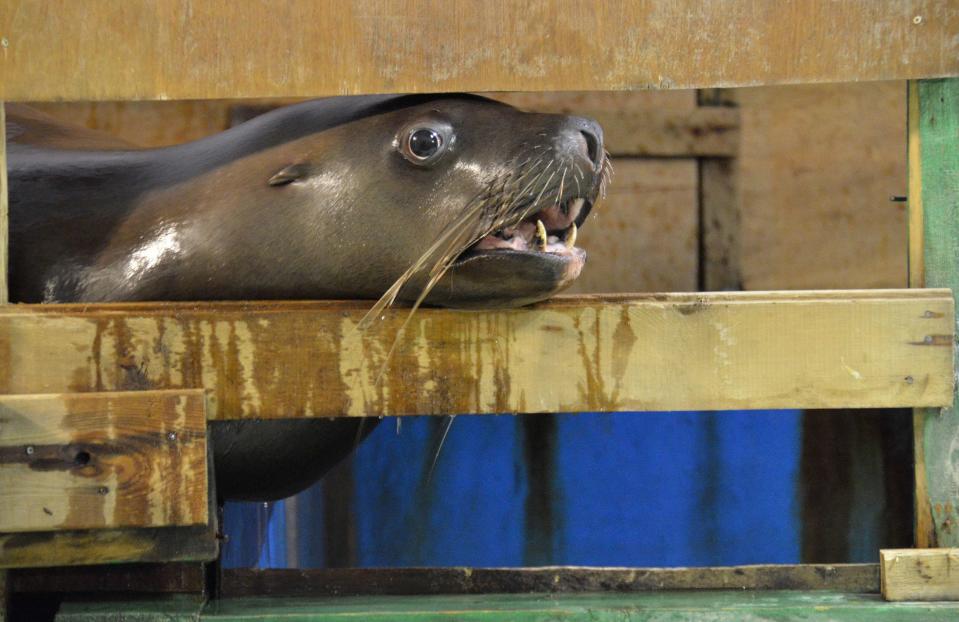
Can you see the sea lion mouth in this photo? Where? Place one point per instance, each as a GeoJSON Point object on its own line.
{"type": "Point", "coordinates": [552, 230]}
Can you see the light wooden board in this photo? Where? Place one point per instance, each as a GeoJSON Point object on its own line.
{"type": "Point", "coordinates": [642, 237]}
{"type": "Point", "coordinates": [933, 175]}
{"type": "Point", "coordinates": [203, 49]}
{"type": "Point", "coordinates": [90, 461]}
{"type": "Point", "coordinates": [192, 543]}
{"type": "Point", "coordinates": [919, 574]}
{"type": "Point", "coordinates": [818, 164]}
{"type": "Point", "coordinates": [654, 352]}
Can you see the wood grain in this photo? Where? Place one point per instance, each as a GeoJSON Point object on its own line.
{"type": "Point", "coordinates": [613, 353]}
{"type": "Point", "coordinates": [934, 170]}
{"type": "Point", "coordinates": [192, 543]}
{"type": "Point", "coordinates": [90, 461]}
{"type": "Point", "coordinates": [208, 49]}
{"type": "Point", "coordinates": [817, 166]}
{"type": "Point", "coordinates": [919, 574]}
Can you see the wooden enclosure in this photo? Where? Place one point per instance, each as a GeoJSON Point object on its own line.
{"type": "Point", "coordinates": [849, 349]}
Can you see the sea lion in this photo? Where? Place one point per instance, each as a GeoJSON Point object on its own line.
{"type": "Point", "coordinates": [451, 200]}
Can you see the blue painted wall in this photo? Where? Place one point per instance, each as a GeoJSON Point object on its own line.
{"type": "Point", "coordinates": [630, 489]}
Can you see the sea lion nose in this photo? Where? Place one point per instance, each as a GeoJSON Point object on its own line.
{"type": "Point", "coordinates": [587, 137]}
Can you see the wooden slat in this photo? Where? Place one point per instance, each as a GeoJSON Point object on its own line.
{"type": "Point", "coordinates": [102, 460]}
{"type": "Point", "coordinates": [877, 348]}
{"type": "Point", "coordinates": [934, 197]}
{"type": "Point", "coordinates": [201, 49]}
{"type": "Point", "coordinates": [167, 578]}
{"type": "Point", "coordinates": [920, 574]}
{"type": "Point", "coordinates": [193, 543]}
{"type": "Point", "coordinates": [239, 582]}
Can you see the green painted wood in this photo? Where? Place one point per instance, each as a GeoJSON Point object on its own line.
{"type": "Point", "coordinates": [177, 608]}
{"type": "Point", "coordinates": [715, 606]}
{"type": "Point", "coordinates": [937, 174]}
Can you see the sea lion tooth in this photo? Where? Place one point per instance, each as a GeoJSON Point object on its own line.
{"type": "Point", "coordinates": [570, 240]}
{"type": "Point", "coordinates": [541, 235]}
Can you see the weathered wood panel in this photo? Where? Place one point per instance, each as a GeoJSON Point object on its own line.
{"type": "Point", "coordinates": [192, 543]}
{"type": "Point", "coordinates": [642, 237]}
{"type": "Point", "coordinates": [934, 201]}
{"type": "Point", "coordinates": [610, 353]}
{"type": "Point", "coordinates": [920, 574]}
{"type": "Point", "coordinates": [203, 49]}
{"type": "Point", "coordinates": [102, 460]}
{"type": "Point", "coordinates": [818, 164]}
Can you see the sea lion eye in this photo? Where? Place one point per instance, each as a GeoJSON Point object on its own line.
{"type": "Point", "coordinates": [424, 143]}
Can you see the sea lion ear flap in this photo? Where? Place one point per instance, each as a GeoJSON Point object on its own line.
{"type": "Point", "coordinates": [289, 173]}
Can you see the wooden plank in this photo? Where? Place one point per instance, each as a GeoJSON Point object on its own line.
{"type": "Point", "coordinates": [90, 461]}
{"type": "Point", "coordinates": [275, 582]}
{"type": "Point", "coordinates": [934, 194]}
{"type": "Point", "coordinates": [111, 546]}
{"type": "Point", "coordinates": [719, 206]}
{"type": "Point", "coordinates": [642, 237]}
{"type": "Point", "coordinates": [167, 578]}
{"type": "Point", "coordinates": [877, 348]}
{"type": "Point", "coordinates": [920, 574]}
{"type": "Point", "coordinates": [203, 49]}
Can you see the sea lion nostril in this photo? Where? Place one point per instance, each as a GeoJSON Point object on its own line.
{"type": "Point", "coordinates": [592, 146]}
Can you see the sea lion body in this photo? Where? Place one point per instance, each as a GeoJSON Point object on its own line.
{"type": "Point", "coordinates": [333, 198]}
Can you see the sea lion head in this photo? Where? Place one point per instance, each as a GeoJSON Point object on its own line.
{"type": "Point", "coordinates": [463, 200]}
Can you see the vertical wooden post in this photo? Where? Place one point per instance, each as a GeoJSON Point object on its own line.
{"type": "Point", "coordinates": [934, 262]}
{"type": "Point", "coordinates": [719, 217]}
{"type": "Point", "coordinates": [3, 285]}
{"type": "Point", "coordinates": [4, 297]}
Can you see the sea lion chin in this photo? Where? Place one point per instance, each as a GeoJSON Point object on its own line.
{"type": "Point", "coordinates": [450, 200]}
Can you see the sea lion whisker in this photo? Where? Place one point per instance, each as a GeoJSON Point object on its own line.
{"type": "Point", "coordinates": [389, 297]}
{"type": "Point", "coordinates": [439, 447]}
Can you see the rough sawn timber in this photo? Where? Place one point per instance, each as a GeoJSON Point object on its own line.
{"type": "Point", "coordinates": [95, 460]}
{"type": "Point", "coordinates": [879, 348]}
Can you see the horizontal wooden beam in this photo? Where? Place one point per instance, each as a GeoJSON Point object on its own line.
{"type": "Point", "coordinates": [878, 348]}
{"type": "Point", "coordinates": [276, 582]}
{"type": "Point", "coordinates": [95, 460]}
{"type": "Point", "coordinates": [202, 49]}
{"type": "Point", "coordinates": [920, 574]}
